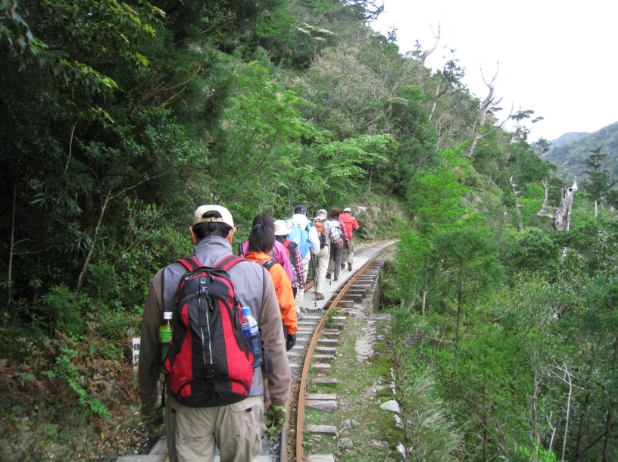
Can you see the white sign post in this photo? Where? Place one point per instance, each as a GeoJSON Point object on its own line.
{"type": "Point", "coordinates": [136, 344]}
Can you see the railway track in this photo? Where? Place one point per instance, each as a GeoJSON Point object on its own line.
{"type": "Point", "coordinates": [351, 288]}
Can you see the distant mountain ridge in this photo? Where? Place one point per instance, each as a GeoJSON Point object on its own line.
{"type": "Point", "coordinates": [569, 151]}
{"type": "Point", "coordinates": [568, 138]}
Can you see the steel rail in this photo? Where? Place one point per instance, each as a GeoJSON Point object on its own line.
{"type": "Point", "coordinates": [300, 410]}
{"type": "Point", "coordinates": [309, 284]}
{"type": "Point", "coordinates": [283, 449]}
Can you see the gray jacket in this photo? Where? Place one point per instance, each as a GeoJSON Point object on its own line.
{"type": "Point", "coordinates": [253, 287]}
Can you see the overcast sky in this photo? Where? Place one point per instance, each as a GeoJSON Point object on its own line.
{"type": "Point", "coordinates": [556, 58]}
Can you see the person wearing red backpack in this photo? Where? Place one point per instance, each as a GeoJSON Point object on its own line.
{"type": "Point", "coordinates": [236, 427]}
{"type": "Point", "coordinates": [351, 225]}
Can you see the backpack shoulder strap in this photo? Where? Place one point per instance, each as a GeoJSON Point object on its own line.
{"type": "Point", "coordinates": [286, 243]}
{"type": "Point", "coordinates": [268, 264]}
{"type": "Point", "coordinates": [227, 262]}
{"type": "Point", "coordinates": [191, 263]}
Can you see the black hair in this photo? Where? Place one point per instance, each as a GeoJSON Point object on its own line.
{"type": "Point", "coordinates": [335, 212]}
{"type": "Point", "coordinates": [261, 239]}
{"type": "Point", "coordinates": [211, 228]}
{"type": "Point", "coordinates": [264, 219]}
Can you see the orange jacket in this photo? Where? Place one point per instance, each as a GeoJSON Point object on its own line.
{"type": "Point", "coordinates": [283, 288]}
{"type": "Point", "coordinates": [350, 223]}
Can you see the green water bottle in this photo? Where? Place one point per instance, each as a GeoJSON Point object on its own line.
{"type": "Point", "coordinates": [165, 335]}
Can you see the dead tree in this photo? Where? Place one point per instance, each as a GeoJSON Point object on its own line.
{"type": "Point", "coordinates": [561, 220]}
{"type": "Point", "coordinates": [429, 51]}
{"type": "Point", "coordinates": [517, 204]}
{"type": "Point", "coordinates": [488, 104]}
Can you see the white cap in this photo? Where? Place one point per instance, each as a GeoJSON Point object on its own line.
{"type": "Point", "coordinates": [281, 228]}
{"type": "Point", "coordinates": [225, 215]}
{"type": "Point", "coordinates": [347, 209]}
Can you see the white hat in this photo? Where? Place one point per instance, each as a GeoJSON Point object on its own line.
{"type": "Point", "coordinates": [281, 228]}
{"type": "Point", "coordinates": [322, 211]}
{"type": "Point", "coordinates": [347, 209]}
{"type": "Point", "coordinates": [223, 215]}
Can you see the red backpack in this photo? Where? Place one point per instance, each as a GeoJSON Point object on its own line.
{"type": "Point", "coordinates": [209, 361]}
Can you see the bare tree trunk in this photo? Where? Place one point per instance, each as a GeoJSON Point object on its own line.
{"type": "Point", "coordinates": [596, 209]}
{"type": "Point", "coordinates": [439, 93]}
{"type": "Point", "coordinates": [580, 429]}
{"type": "Point", "coordinates": [561, 220]}
{"type": "Point", "coordinates": [567, 378]}
{"type": "Point", "coordinates": [566, 425]}
{"type": "Point", "coordinates": [424, 301]}
{"type": "Point", "coordinates": [563, 214]}
{"type": "Point", "coordinates": [429, 51]}
{"type": "Point", "coordinates": [11, 250]}
{"type": "Point", "coordinates": [536, 386]}
{"type": "Point", "coordinates": [517, 205]}
{"type": "Point", "coordinates": [487, 104]}
{"type": "Point", "coordinates": [82, 273]}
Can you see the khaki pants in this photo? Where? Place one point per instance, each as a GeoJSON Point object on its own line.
{"type": "Point", "coordinates": [320, 269]}
{"type": "Point", "coordinates": [348, 254]}
{"type": "Point", "coordinates": [236, 430]}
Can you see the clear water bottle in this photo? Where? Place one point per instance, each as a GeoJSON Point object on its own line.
{"type": "Point", "coordinates": [252, 334]}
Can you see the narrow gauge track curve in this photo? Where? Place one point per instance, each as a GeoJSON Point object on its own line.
{"type": "Point", "coordinates": [299, 400]}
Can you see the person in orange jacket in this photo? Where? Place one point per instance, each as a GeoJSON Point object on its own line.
{"type": "Point", "coordinates": [351, 225]}
{"type": "Point", "coordinates": [261, 242]}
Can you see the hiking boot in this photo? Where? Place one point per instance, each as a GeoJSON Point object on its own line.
{"type": "Point", "coordinates": [349, 266]}
{"type": "Point", "coordinates": [328, 275]}
{"type": "Point", "coordinates": [319, 296]}
{"type": "Point", "coordinates": [336, 279]}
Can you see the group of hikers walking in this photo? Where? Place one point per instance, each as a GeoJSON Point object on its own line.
{"type": "Point", "coordinates": [221, 371]}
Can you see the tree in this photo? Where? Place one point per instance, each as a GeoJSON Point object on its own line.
{"type": "Point", "coordinates": [599, 183]}
{"type": "Point", "coordinates": [468, 263]}
{"type": "Point", "coordinates": [435, 193]}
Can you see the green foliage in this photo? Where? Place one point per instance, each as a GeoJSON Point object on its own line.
{"type": "Point", "coordinates": [65, 311]}
{"type": "Point", "coordinates": [533, 251]}
{"type": "Point", "coordinates": [435, 193]}
{"type": "Point", "coordinates": [599, 183]}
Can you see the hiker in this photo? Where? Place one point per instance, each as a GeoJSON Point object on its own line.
{"type": "Point", "coordinates": [338, 236]}
{"type": "Point", "coordinates": [279, 253]}
{"type": "Point", "coordinates": [323, 257]}
{"type": "Point", "coordinates": [261, 242]}
{"type": "Point", "coordinates": [303, 233]}
{"type": "Point", "coordinates": [236, 429]}
{"type": "Point", "coordinates": [351, 225]}
{"type": "Point", "coordinates": [296, 261]}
